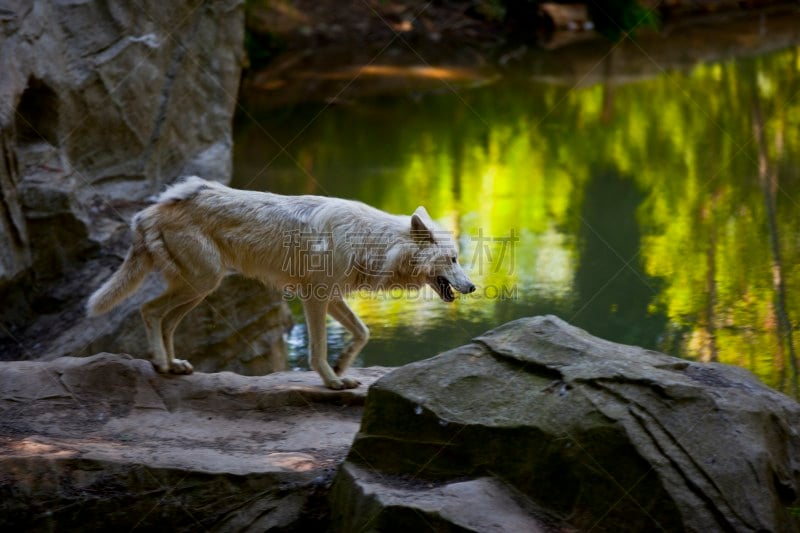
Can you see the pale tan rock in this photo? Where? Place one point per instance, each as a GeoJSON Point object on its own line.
{"type": "Point", "coordinates": [104, 441]}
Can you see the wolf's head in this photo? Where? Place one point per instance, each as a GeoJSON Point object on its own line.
{"type": "Point", "coordinates": [436, 261]}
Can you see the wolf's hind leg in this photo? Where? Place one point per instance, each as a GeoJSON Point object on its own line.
{"type": "Point", "coordinates": [154, 314]}
{"type": "Point", "coordinates": [191, 274]}
{"type": "Point", "coordinates": [169, 324]}
{"type": "Point", "coordinates": [162, 315]}
{"type": "Point", "coordinates": [340, 311]}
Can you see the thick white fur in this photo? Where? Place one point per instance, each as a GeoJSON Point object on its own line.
{"type": "Point", "coordinates": [197, 230]}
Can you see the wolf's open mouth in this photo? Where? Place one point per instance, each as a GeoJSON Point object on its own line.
{"type": "Point", "coordinates": [444, 289]}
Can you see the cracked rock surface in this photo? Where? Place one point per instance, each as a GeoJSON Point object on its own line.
{"type": "Point", "coordinates": [102, 441]}
{"type": "Point", "coordinates": [594, 434]}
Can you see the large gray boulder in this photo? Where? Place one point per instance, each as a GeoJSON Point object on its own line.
{"type": "Point", "coordinates": [104, 442]}
{"type": "Point", "coordinates": [602, 436]}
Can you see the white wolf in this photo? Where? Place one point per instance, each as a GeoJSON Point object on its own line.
{"type": "Point", "coordinates": [317, 247]}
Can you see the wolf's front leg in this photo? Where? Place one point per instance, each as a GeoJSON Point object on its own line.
{"type": "Point", "coordinates": [315, 311]}
{"type": "Point", "coordinates": [347, 318]}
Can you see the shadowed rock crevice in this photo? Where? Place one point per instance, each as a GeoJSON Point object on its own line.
{"type": "Point", "coordinates": [13, 233]}
{"type": "Point", "coordinates": [37, 114]}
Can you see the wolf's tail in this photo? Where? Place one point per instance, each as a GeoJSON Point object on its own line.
{"type": "Point", "coordinates": [138, 263]}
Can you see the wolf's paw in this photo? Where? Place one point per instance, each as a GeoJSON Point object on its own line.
{"type": "Point", "coordinates": [180, 366]}
{"type": "Point", "coordinates": [343, 383]}
{"type": "Point", "coordinates": [350, 383]}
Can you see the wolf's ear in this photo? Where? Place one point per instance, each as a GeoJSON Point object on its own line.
{"type": "Point", "coordinates": [421, 227]}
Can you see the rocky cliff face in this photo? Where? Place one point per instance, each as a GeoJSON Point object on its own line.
{"type": "Point", "coordinates": [104, 102]}
{"type": "Point", "coordinates": [101, 104]}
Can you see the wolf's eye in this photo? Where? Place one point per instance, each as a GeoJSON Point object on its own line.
{"type": "Point", "coordinates": [453, 259]}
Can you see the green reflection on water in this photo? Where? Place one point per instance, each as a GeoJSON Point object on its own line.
{"type": "Point", "coordinates": [634, 211]}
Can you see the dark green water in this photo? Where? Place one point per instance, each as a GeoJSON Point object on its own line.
{"type": "Point", "coordinates": [639, 211]}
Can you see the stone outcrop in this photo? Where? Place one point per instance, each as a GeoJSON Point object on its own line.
{"type": "Point", "coordinates": [588, 433]}
{"type": "Point", "coordinates": [101, 105]}
{"type": "Point", "coordinates": [105, 102]}
{"type": "Point", "coordinates": [101, 442]}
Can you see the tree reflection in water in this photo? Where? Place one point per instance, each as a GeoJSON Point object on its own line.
{"type": "Point", "coordinates": [654, 214]}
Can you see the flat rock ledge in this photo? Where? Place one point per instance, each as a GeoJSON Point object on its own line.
{"type": "Point", "coordinates": [539, 426]}
{"type": "Point", "coordinates": [103, 441]}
